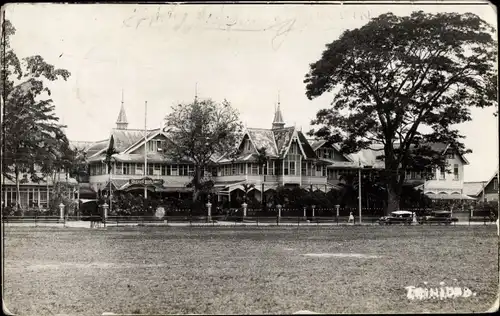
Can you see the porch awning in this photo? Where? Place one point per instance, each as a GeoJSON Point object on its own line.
{"type": "Point", "coordinates": [115, 184]}
{"type": "Point", "coordinates": [174, 189]}
{"type": "Point", "coordinates": [443, 196]}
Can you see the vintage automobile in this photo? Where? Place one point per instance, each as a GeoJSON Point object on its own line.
{"type": "Point", "coordinates": [438, 217]}
{"type": "Point", "coordinates": [397, 217]}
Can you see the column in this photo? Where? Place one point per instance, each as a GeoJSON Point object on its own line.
{"type": "Point", "coordinates": [39, 195]}
{"type": "Point", "coordinates": [300, 169]}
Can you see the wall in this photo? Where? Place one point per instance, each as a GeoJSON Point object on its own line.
{"type": "Point", "coordinates": [447, 185]}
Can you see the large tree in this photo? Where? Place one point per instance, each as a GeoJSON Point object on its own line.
{"type": "Point", "coordinates": [200, 131]}
{"type": "Point", "coordinates": [31, 134]}
{"type": "Point", "coordinates": [403, 83]}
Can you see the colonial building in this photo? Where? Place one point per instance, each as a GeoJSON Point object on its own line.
{"type": "Point", "coordinates": [437, 184]}
{"type": "Point", "coordinates": [292, 161]}
{"type": "Point", "coordinates": [36, 195]}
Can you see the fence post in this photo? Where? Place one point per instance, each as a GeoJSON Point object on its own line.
{"type": "Point", "coordinates": [279, 214]}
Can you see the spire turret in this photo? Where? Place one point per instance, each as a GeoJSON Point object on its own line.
{"type": "Point", "coordinates": [278, 121]}
{"type": "Point", "coordinates": [121, 122]}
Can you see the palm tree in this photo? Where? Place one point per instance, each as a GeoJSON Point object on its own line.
{"type": "Point", "coordinates": [246, 188]}
{"type": "Point", "coordinates": [110, 151]}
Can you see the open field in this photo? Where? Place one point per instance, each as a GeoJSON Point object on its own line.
{"type": "Point", "coordinates": [237, 270]}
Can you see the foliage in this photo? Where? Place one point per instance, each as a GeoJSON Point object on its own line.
{"type": "Point", "coordinates": [32, 137]}
{"type": "Point", "coordinates": [108, 155]}
{"type": "Point", "coordinates": [403, 82]}
{"type": "Point", "coordinates": [246, 188]}
{"type": "Point", "coordinates": [199, 132]}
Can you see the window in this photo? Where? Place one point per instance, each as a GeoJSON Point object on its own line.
{"type": "Point", "coordinates": [324, 172]}
{"type": "Point", "coordinates": [150, 146]}
{"type": "Point", "coordinates": [150, 169]}
{"type": "Point", "coordinates": [132, 168]}
{"type": "Point", "coordinates": [191, 170]}
{"type": "Point", "coordinates": [413, 175]}
{"type": "Point", "coordinates": [292, 168]}
{"type": "Point", "coordinates": [270, 167]}
{"type": "Point", "coordinates": [139, 169]}
{"type": "Point", "coordinates": [157, 170]}
{"type": "Point", "coordinates": [430, 174]}
{"type": "Point", "coordinates": [183, 170]}
{"type": "Point", "coordinates": [255, 169]}
{"type": "Point", "coordinates": [174, 170]}
{"type": "Point", "coordinates": [159, 145]}
{"type": "Point", "coordinates": [233, 169]}
{"type": "Point", "coordinates": [31, 198]}
{"type": "Point", "coordinates": [242, 168]}
{"type": "Point", "coordinates": [126, 168]}
{"type": "Point", "coordinates": [407, 174]}
{"type": "Point", "coordinates": [442, 175]}
{"type": "Point", "coordinates": [163, 170]}
{"type": "Point", "coordinates": [455, 172]}
{"type": "Point", "coordinates": [248, 145]}
{"type": "Point", "coordinates": [303, 169]}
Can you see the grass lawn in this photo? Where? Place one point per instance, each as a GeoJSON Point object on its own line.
{"type": "Point", "coordinates": [245, 270]}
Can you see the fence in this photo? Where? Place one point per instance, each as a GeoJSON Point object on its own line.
{"type": "Point", "coordinates": [309, 216]}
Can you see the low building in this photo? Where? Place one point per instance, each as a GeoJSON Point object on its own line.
{"type": "Point", "coordinates": [484, 191]}
{"type": "Point", "coordinates": [36, 195]}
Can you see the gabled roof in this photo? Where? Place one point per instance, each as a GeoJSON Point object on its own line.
{"type": "Point", "coordinates": [97, 147]}
{"type": "Point", "coordinates": [306, 147]}
{"type": "Point", "coordinates": [80, 145]}
{"type": "Point", "coordinates": [316, 144]}
{"type": "Point", "coordinates": [140, 140]}
{"type": "Point", "coordinates": [473, 188]}
{"type": "Point", "coordinates": [263, 138]}
{"type": "Point", "coordinates": [283, 137]}
{"type": "Point", "coordinates": [124, 138]}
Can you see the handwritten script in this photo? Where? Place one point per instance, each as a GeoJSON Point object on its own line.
{"type": "Point", "coordinates": [179, 20]}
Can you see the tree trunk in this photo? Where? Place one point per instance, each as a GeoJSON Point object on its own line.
{"type": "Point", "coordinates": [393, 199]}
{"type": "Point", "coordinates": [196, 183]}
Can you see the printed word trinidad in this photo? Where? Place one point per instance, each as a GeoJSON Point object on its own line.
{"type": "Point", "coordinates": [437, 293]}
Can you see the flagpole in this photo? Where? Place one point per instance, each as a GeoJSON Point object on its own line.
{"type": "Point", "coordinates": [145, 148]}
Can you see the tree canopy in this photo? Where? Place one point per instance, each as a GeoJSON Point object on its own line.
{"type": "Point", "coordinates": [32, 138]}
{"type": "Point", "coordinates": [405, 82]}
{"type": "Point", "coordinates": [199, 132]}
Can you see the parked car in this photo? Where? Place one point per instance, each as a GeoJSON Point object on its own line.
{"type": "Point", "coordinates": [438, 217]}
{"type": "Point", "coordinates": [397, 217]}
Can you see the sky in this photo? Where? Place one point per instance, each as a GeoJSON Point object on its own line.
{"type": "Point", "coordinates": [165, 54]}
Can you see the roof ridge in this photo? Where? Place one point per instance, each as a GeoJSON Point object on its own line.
{"type": "Point", "coordinates": [260, 128]}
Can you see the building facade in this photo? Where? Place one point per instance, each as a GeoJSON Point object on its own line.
{"type": "Point", "coordinates": [483, 191]}
{"type": "Point", "coordinates": [292, 161]}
